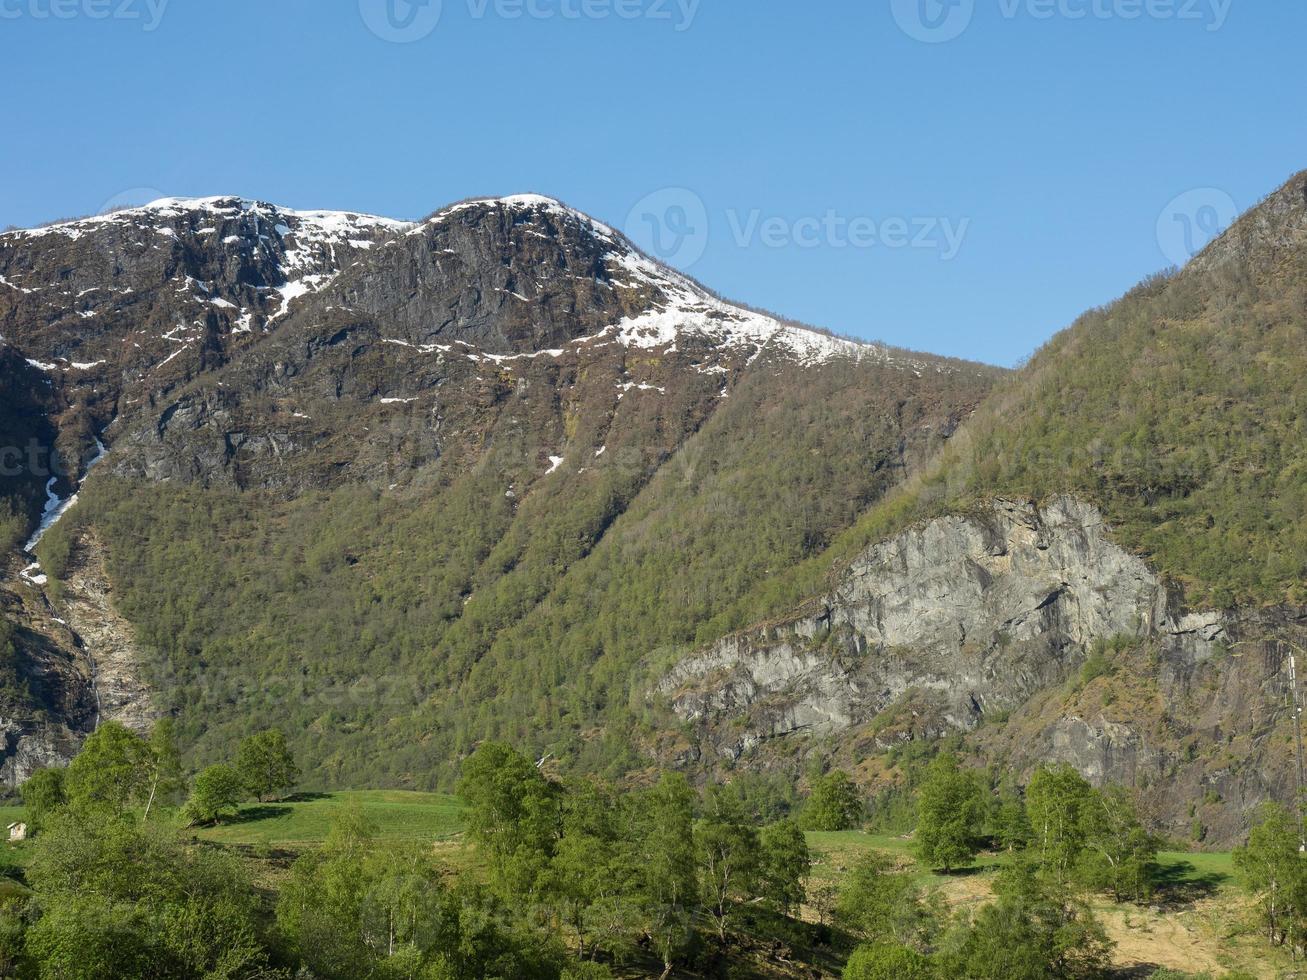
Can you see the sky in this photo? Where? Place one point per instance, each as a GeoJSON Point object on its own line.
{"type": "Point", "coordinates": [957, 176]}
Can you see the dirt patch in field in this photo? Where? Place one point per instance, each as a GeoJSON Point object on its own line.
{"type": "Point", "coordinates": [1179, 940]}
{"type": "Point", "coordinates": [1208, 936]}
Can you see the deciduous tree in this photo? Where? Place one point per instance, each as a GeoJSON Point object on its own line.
{"type": "Point", "coordinates": [1276, 871]}
{"type": "Point", "coordinates": [668, 885]}
{"type": "Point", "coordinates": [216, 792]}
{"type": "Point", "coordinates": [111, 773]}
{"type": "Point", "coordinates": [834, 804]}
{"type": "Point", "coordinates": [729, 855]}
{"type": "Point", "coordinates": [1056, 803]}
{"type": "Point", "coordinates": [514, 814]}
{"type": "Point", "coordinates": [888, 962]}
{"type": "Point", "coordinates": [43, 794]}
{"type": "Point", "coordinates": [266, 764]}
{"type": "Point", "coordinates": [950, 810]}
{"type": "Point", "coordinates": [786, 864]}
{"type": "Point", "coordinates": [882, 905]}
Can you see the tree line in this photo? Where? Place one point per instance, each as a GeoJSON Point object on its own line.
{"type": "Point", "coordinates": [577, 878]}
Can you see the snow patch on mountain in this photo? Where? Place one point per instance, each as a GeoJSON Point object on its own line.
{"type": "Point", "coordinates": [55, 508]}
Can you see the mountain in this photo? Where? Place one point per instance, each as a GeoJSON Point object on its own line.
{"type": "Point", "coordinates": [398, 487]}
{"type": "Point", "coordinates": [401, 487]}
{"type": "Point", "coordinates": [1104, 566]}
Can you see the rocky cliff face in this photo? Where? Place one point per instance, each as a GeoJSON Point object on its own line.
{"type": "Point", "coordinates": [115, 312]}
{"type": "Point", "coordinates": [78, 664]}
{"type": "Point", "coordinates": [991, 615]}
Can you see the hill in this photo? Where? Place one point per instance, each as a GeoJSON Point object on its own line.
{"type": "Point", "coordinates": [400, 487]}
{"type": "Point", "coordinates": [1105, 565]}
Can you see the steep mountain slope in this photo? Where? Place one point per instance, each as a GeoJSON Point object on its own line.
{"type": "Point", "coordinates": [398, 487]}
{"type": "Point", "coordinates": [1162, 440]}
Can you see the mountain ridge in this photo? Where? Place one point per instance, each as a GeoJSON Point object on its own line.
{"type": "Point", "coordinates": [500, 448]}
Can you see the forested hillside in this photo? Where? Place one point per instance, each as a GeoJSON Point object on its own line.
{"type": "Point", "coordinates": [481, 479]}
{"type": "Point", "coordinates": [1105, 565]}
{"type": "Point", "coordinates": [1181, 409]}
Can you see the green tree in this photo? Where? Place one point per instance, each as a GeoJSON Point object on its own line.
{"type": "Point", "coordinates": [1011, 826]}
{"type": "Point", "coordinates": [118, 898]}
{"type": "Point", "coordinates": [1275, 870]}
{"type": "Point", "coordinates": [834, 804]}
{"type": "Point", "coordinates": [881, 905]}
{"type": "Point", "coordinates": [587, 971]}
{"type": "Point", "coordinates": [668, 886]}
{"type": "Point", "coordinates": [322, 905]}
{"type": "Point", "coordinates": [163, 766]}
{"type": "Point", "coordinates": [786, 864]}
{"type": "Point", "coordinates": [90, 938]}
{"type": "Point", "coordinates": [13, 937]}
{"type": "Point", "coordinates": [589, 880]}
{"type": "Point", "coordinates": [43, 794]}
{"type": "Point", "coordinates": [1032, 932]}
{"type": "Point", "coordinates": [1057, 801]}
{"type": "Point", "coordinates": [216, 792]}
{"type": "Point", "coordinates": [513, 814]}
{"type": "Point", "coordinates": [1120, 855]}
{"type": "Point", "coordinates": [729, 855]}
{"type": "Point", "coordinates": [360, 908]}
{"type": "Point", "coordinates": [950, 811]}
{"type": "Point", "coordinates": [888, 962]}
{"type": "Point", "coordinates": [266, 764]}
{"type": "Point", "coordinates": [111, 772]}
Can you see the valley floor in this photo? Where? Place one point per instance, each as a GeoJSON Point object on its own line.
{"type": "Point", "coordinates": [1201, 921]}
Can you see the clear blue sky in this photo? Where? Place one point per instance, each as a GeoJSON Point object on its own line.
{"type": "Point", "coordinates": [1049, 144]}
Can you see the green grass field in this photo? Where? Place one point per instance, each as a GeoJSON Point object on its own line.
{"type": "Point", "coordinates": [836, 852]}
{"type": "Point", "coordinates": [402, 815]}
{"type": "Point", "coordinates": [397, 816]}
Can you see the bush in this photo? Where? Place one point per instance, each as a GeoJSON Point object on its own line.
{"type": "Point", "coordinates": [888, 963]}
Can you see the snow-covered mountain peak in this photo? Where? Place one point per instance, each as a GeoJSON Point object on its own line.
{"type": "Point", "coordinates": [311, 248]}
{"type": "Point", "coordinates": [524, 202]}
{"type": "Point", "coordinates": [315, 224]}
